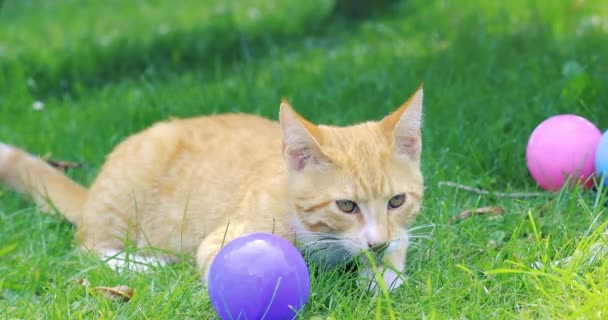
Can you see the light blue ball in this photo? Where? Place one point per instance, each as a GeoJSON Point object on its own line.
{"type": "Point", "coordinates": [601, 158]}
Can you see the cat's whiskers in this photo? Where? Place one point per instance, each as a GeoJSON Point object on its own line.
{"type": "Point", "coordinates": [328, 253]}
{"type": "Point", "coordinates": [324, 245]}
{"type": "Point", "coordinates": [422, 226]}
{"type": "Point", "coordinates": [413, 237]}
{"type": "Point", "coordinates": [327, 244]}
{"type": "Point", "coordinates": [312, 236]}
{"type": "Point", "coordinates": [420, 236]}
{"type": "Point", "coordinates": [331, 248]}
{"type": "Point", "coordinates": [415, 246]}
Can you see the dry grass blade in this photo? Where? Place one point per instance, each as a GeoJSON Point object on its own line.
{"type": "Point", "coordinates": [82, 282]}
{"type": "Point", "coordinates": [497, 194]}
{"type": "Point", "coordinates": [62, 165]}
{"type": "Point", "coordinates": [544, 207]}
{"type": "Point", "coordinates": [123, 293]}
{"type": "Point", "coordinates": [477, 212]}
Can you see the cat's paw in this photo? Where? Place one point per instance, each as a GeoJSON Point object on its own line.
{"type": "Point", "coordinates": [389, 277]}
{"type": "Point", "coordinates": [121, 261]}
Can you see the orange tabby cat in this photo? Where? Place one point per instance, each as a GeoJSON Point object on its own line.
{"type": "Point", "coordinates": [188, 186]}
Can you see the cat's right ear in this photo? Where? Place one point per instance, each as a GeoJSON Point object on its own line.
{"type": "Point", "coordinates": [403, 126]}
{"type": "Point", "coordinates": [301, 140]}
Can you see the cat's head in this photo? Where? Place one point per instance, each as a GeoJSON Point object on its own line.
{"type": "Point", "coordinates": [357, 187]}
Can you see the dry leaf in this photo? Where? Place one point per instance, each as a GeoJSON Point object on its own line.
{"type": "Point", "coordinates": [116, 293]}
{"type": "Point", "coordinates": [477, 212]}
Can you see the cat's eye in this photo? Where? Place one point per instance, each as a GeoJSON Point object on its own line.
{"type": "Point", "coordinates": [396, 201]}
{"type": "Point", "coordinates": [347, 206]}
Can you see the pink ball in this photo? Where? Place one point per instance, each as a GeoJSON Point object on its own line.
{"type": "Point", "coordinates": [560, 147]}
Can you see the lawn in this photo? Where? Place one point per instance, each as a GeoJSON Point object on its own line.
{"type": "Point", "coordinates": [492, 70]}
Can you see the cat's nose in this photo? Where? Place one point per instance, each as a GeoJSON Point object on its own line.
{"type": "Point", "coordinates": [377, 247]}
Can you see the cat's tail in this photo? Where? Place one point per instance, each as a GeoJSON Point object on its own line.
{"type": "Point", "coordinates": [47, 186]}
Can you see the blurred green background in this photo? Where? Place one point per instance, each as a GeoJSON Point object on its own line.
{"type": "Point", "coordinates": [76, 77]}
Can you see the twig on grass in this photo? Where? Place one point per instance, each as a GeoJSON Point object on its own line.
{"type": "Point", "coordinates": [62, 165]}
{"type": "Point", "coordinates": [541, 211]}
{"type": "Point", "coordinates": [493, 211]}
{"type": "Point", "coordinates": [486, 192]}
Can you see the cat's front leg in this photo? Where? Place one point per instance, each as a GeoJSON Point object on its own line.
{"type": "Point", "coordinates": [390, 269]}
{"type": "Point", "coordinates": [211, 245]}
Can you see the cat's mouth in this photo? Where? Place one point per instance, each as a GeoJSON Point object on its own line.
{"type": "Point", "coordinates": [375, 254]}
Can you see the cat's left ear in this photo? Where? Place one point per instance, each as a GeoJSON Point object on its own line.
{"type": "Point", "coordinates": [404, 125]}
{"type": "Point", "coordinates": [301, 140]}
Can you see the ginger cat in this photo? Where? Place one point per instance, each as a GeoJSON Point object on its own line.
{"type": "Point", "coordinates": [188, 186]}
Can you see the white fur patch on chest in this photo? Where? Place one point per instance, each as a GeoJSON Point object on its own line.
{"type": "Point", "coordinates": [121, 261]}
{"type": "Point", "coordinates": [5, 151]}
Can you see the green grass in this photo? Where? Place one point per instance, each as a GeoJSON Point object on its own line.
{"type": "Point", "coordinates": [492, 70]}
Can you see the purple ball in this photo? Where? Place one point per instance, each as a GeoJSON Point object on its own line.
{"type": "Point", "coordinates": [258, 276]}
